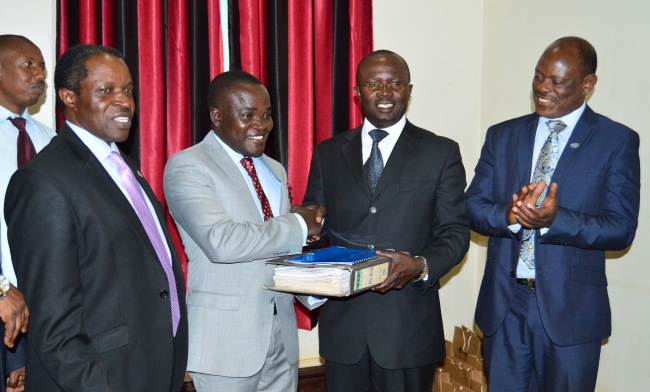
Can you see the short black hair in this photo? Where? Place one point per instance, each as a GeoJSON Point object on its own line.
{"type": "Point", "coordinates": [71, 67]}
{"type": "Point", "coordinates": [586, 53]}
{"type": "Point", "coordinates": [383, 52]}
{"type": "Point", "coordinates": [223, 83]}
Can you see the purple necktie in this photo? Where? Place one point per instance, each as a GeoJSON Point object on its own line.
{"type": "Point", "coordinates": [142, 210]}
{"type": "Point", "coordinates": [26, 150]}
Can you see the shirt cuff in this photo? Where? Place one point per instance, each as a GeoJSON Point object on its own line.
{"type": "Point", "coordinates": [303, 226]}
{"type": "Point", "coordinates": [515, 227]}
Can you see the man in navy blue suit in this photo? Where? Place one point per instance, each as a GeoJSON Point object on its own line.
{"type": "Point", "coordinates": [543, 305]}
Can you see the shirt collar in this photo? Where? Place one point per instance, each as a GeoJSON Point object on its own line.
{"type": "Point", "coordinates": [393, 130]}
{"type": "Point", "coordinates": [5, 113]}
{"type": "Point", "coordinates": [570, 119]}
{"type": "Point", "coordinates": [234, 155]}
{"type": "Point", "coordinates": [97, 146]}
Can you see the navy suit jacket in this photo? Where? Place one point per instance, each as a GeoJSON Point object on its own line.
{"type": "Point", "coordinates": [100, 316]}
{"type": "Point", "coordinates": [418, 207]}
{"type": "Point", "coordinates": [598, 177]}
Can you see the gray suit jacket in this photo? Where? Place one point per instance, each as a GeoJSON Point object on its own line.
{"type": "Point", "coordinates": [230, 313]}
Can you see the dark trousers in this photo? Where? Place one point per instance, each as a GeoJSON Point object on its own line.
{"type": "Point", "coordinates": [519, 356]}
{"type": "Point", "coordinates": [367, 376]}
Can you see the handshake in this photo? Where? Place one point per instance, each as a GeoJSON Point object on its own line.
{"type": "Point", "coordinates": [313, 217]}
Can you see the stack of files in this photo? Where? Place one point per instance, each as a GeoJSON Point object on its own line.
{"type": "Point", "coordinates": [332, 272]}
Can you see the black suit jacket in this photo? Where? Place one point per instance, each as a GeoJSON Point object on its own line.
{"type": "Point", "coordinates": [418, 207]}
{"type": "Point", "coordinates": [100, 319]}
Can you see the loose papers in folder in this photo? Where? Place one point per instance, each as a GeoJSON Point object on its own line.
{"type": "Point", "coordinates": [333, 271]}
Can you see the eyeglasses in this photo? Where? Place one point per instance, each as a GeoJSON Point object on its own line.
{"type": "Point", "coordinates": [394, 86]}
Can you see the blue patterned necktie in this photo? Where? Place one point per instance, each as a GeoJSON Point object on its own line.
{"type": "Point", "coordinates": [375, 163]}
{"type": "Point", "coordinates": [548, 157]}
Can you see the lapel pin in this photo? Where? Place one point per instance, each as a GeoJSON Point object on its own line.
{"type": "Point", "coordinates": [140, 174]}
{"type": "Point", "coordinates": [575, 145]}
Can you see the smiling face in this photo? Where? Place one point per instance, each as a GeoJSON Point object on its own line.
{"type": "Point", "coordinates": [22, 75]}
{"type": "Point", "coordinates": [105, 104]}
{"type": "Point", "coordinates": [385, 106]}
{"type": "Point", "coordinates": [559, 85]}
{"type": "Point", "coordinates": [242, 118]}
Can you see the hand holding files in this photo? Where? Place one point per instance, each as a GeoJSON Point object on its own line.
{"type": "Point", "coordinates": [404, 269]}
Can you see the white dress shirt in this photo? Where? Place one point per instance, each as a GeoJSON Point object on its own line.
{"type": "Point", "coordinates": [40, 135]}
{"type": "Point", "coordinates": [386, 144]}
{"type": "Point", "coordinates": [541, 135]}
{"type": "Point", "coordinates": [102, 150]}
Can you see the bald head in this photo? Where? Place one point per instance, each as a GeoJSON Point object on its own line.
{"type": "Point", "coordinates": [586, 52]}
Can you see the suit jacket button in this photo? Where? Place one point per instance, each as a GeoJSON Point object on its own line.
{"type": "Point", "coordinates": [164, 294]}
{"type": "Point", "coordinates": [373, 210]}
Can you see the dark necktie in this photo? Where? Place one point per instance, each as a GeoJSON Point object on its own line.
{"type": "Point", "coordinates": [548, 157]}
{"type": "Point", "coordinates": [26, 150]}
{"type": "Point", "coordinates": [144, 213]}
{"type": "Point", "coordinates": [247, 162]}
{"type": "Point", "coordinates": [375, 163]}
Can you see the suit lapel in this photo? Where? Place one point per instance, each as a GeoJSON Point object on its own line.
{"type": "Point", "coordinates": [405, 149]}
{"type": "Point", "coordinates": [524, 144]}
{"type": "Point", "coordinates": [585, 127]}
{"type": "Point", "coordinates": [222, 159]}
{"type": "Point", "coordinates": [97, 177]}
{"type": "Point", "coordinates": [353, 156]}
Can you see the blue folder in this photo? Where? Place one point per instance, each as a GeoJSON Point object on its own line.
{"type": "Point", "coordinates": [335, 255]}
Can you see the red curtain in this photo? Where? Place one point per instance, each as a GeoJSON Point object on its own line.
{"type": "Point", "coordinates": [360, 45]}
{"type": "Point", "coordinates": [215, 39]}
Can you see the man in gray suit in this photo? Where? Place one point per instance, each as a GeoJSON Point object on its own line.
{"type": "Point", "coordinates": [231, 205]}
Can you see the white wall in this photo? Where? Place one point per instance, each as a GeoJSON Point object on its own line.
{"type": "Point", "coordinates": [35, 19]}
{"type": "Point", "coordinates": [472, 63]}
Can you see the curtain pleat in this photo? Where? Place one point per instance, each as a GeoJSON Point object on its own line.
{"type": "Point", "coordinates": [153, 127]}
{"type": "Point", "coordinates": [178, 89]}
{"type": "Point", "coordinates": [233, 35]}
{"type": "Point", "coordinates": [278, 59]}
{"type": "Point", "coordinates": [126, 38]}
{"type": "Point", "coordinates": [107, 22]}
{"type": "Point", "coordinates": [252, 37]}
{"type": "Point", "coordinates": [178, 78]}
{"type": "Point", "coordinates": [341, 89]}
{"type": "Point", "coordinates": [301, 94]}
{"type": "Point", "coordinates": [360, 45]}
{"type": "Point", "coordinates": [323, 46]}
{"type": "Point", "coordinates": [201, 58]}
{"type": "Point", "coordinates": [62, 28]}
{"type": "Point", "coordinates": [88, 24]}
{"type": "Point", "coordinates": [215, 39]}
